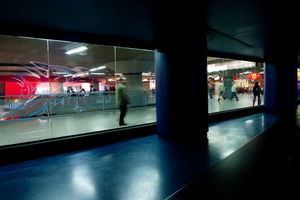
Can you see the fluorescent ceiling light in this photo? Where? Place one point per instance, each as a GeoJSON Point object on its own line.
{"type": "Point", "coordinates": [76, 50]}
{"type": "Point", "coordinates": [97, 73]}
{"type": "Point", "coordinates": [213, 68]}
{"type": "Point", "coordinates": [60, 73]}
{"type": "Point", "coordinates": [94, 69]}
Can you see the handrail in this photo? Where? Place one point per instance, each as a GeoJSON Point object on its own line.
{"type": "Point", "coordinates": [65, 103]}
{"type": "Point", "coordinates": [76, 93]}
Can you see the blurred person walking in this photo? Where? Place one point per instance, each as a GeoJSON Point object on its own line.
{"type": "Point", "coordinates": [122, 101]}
{"type": "Point", "coordinates": [233, 92]}
{"type": "Point", "coordinates": [221, 91]}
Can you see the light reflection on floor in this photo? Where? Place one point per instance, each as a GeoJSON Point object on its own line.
{"type": "Point", "coordinates": [143, 168]}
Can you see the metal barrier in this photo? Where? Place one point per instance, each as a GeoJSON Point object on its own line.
{"type": "Point", "coordinates": [31, 106]}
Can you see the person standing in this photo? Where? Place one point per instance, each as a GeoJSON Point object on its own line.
{"type": "Point", "coordinates": [112, 88]}
{"type": "Point", "coordinates": [72, 92]}
{"type": "Point", "coordinates": [92, 94]}
{"type": "Point", "coordinates": [211, 90]}
{"type": "Point", "coordinates": [92, 89]}
{"type": "Point", "coordinates": [122, 101]}
{"type": "Point", "coordinates": [105, 94]}
{"type": "Point", "coordinates": [233, 92]}
{"type": "Point", "coordinates": [256, 93]}
{"type": "Point", "coordinates": [82, 92]}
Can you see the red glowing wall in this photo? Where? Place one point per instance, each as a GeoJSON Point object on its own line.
{"type": "Point", "coordinates": [23, 88]}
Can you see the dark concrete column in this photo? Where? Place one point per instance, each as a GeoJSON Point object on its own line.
{"type": "Point", "coordinates": [181, 78]}
{"type": "Point", "coordinates": [280, 86]}
{"type": "Point", "coordinates": [281, 57]}
{"type": "Point", "coordinates": [281, 77]}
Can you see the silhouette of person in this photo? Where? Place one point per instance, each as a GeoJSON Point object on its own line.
{"type": "Point", "coordinates": [122, 101]}
{"type": "Point", "coordinates": [256, 93]}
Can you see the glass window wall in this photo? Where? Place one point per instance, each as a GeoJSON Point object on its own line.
{"type": "Point", "coordinates": [51, 89]}
{"type": "Point", "coordinates": [234, 84]}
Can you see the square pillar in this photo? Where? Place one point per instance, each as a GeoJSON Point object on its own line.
{"type": "Point", "coordinates": [181, 87]}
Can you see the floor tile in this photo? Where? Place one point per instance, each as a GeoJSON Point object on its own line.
{"type": "Point", "coordinates": [28, 130]}
{"type": "Point", "coordinates": [144, 168]}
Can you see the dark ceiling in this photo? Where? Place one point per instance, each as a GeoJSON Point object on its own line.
{"type": "Point", "coordinates": [236, 27]}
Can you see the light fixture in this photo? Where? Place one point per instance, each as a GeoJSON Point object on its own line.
{"type": "Point", "coordinates": [97, 73]}
{"type": "Point", "coordinates": [76, 50]}
{"type": "Point", "coordinates": [60, 73]}
{"type": "Point", "coordinates": [94, 69]}
{"type": "Point", "coordinates": [146, 74]}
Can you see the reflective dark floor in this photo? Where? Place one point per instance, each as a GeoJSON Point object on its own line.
{"type": "Point", "coordinates": [268, 167]}
{"type": "Point", "coordinates": [144, 168]}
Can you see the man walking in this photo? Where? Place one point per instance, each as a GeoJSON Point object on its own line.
{"type": "Point", "coordinates": [233, 92]}
{"type": "Point", "coordinates": [122, 101]}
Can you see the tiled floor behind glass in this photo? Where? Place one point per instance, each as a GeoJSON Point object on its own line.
{"type": "Point", "coordinates": [245, 101]}
{"type": "Point", "coordinates": [27, 130]}
{"type": "Point", "coordinates": [20, 131]}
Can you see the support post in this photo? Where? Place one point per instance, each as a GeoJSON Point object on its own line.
{"type": "Point", "coordinates": [181, 52]}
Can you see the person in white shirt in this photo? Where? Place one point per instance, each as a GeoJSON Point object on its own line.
{"type": "Point", "coordinates": [233, 92]}
{"type": "Point", "coordinates": [221, 91]}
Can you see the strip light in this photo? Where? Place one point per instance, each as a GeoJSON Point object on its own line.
{"type": "Point", "coordinates": [97, 73]}
{"type": "Point", "coordinates": [101, 67]}
{"type": "Point", "coordinates": [76, 50]}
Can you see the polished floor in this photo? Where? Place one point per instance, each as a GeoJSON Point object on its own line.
{"type": "Point", "coordinates": [268, 167]}
{"type": "Point", "coordinates": [42, 128]}
{"type": "Point", "coordinates": [144, 168]}
{"type": "Point", "coordinates": [29, 130]}
{"type": "Point", "coordinates": [245, 100]}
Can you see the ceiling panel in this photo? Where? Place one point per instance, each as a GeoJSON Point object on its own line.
{"type": "Point", "coordinates": [6, 57]}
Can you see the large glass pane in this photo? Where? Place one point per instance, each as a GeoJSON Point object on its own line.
{"type": "Point", "coordinates": [231, 84]}
{"type": "Point", "coordinates": [51, 89]}
{"type": "Point", "coordinates": [23, 69]}
{"type": "Point", "coordinates": [24, 77]}
{"type": "Point", "coordinates": [78, 76]}
{"type": "Point", "coordinates": [135, 68]}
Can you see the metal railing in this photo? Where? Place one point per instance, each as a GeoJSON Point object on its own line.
{"type": "Point", "coordinates": [31, 106]}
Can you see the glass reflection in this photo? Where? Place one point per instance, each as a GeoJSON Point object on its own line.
{"type": "Point", "coordinates": [23, 67]}
{"type": "Point", "coordinates": [43, 79]}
